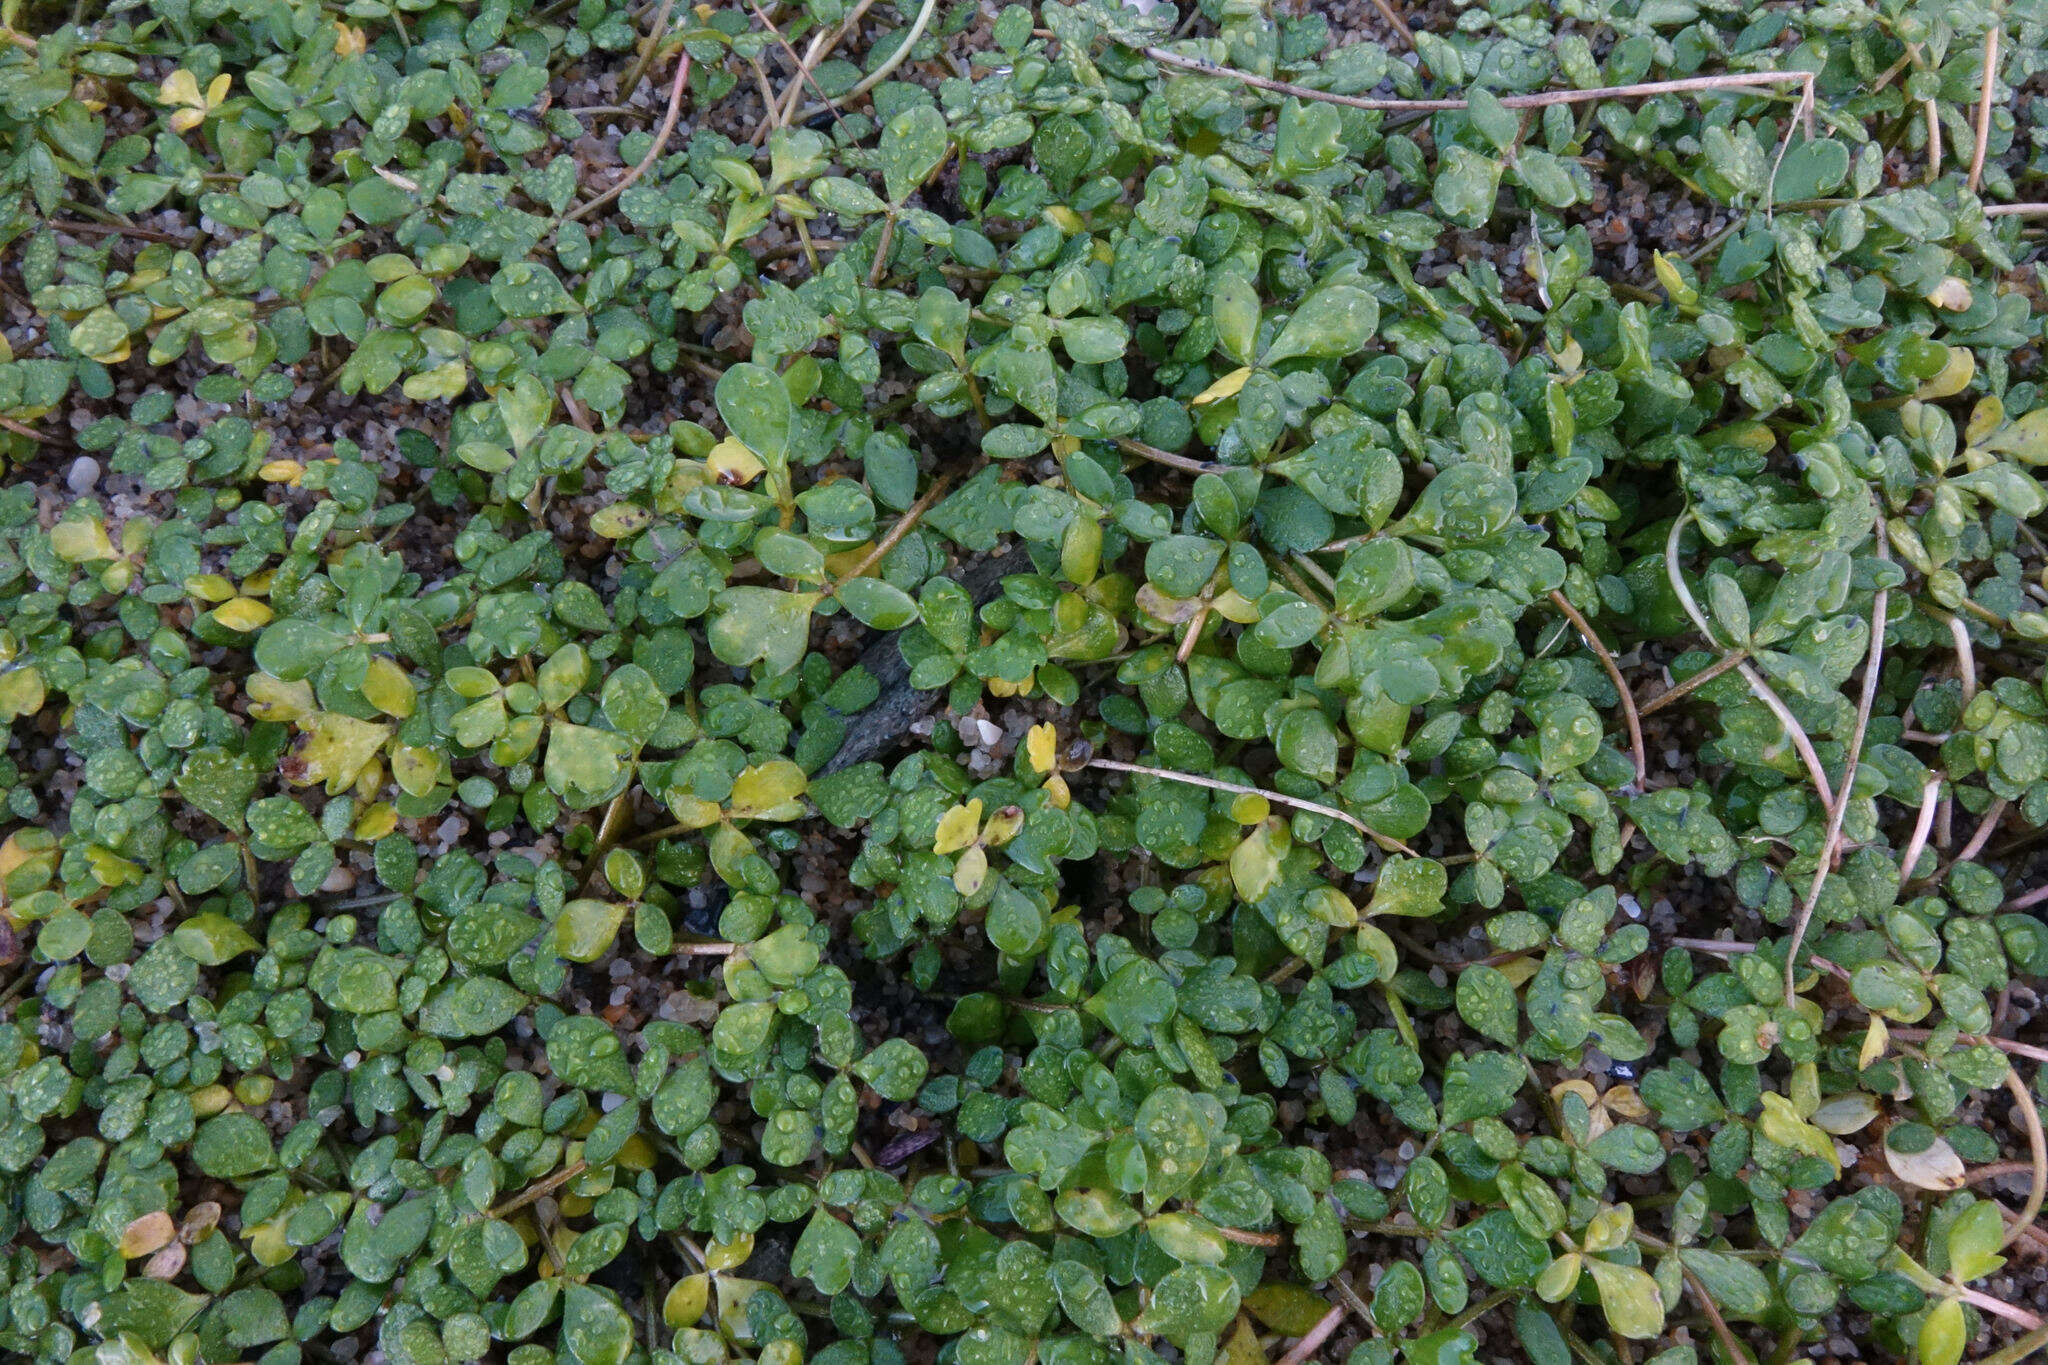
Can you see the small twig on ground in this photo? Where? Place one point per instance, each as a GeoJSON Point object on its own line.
{"type": "Point", "coordinates": [1277, 798]}
{"type": "Point", "coordinates": [2028, 210]}
{"type": "Point", "coordinates": [1919, 1035]}
{"type": "Point", "coordinates": [1840, 806]}
{"type": "Point", "coordinates": [539, 1188]}
{"type": "Point", "coordinates": [1729, 1342]}
{"type": "Point", "coordinates": [645, 57]}
{"type": "Point", "coordinates": [1984, 96]}
{"type": "Point", "coordinates": [882, 72]}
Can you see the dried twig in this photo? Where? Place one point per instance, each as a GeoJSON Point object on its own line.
{"type": "Point", "coordinates": [1540, 100]}
{"type": "Point", "coordinates": [1277, 798]}
{"type": "Point", "coordinates": [1732, 659]}
{"type": "Point", "coordinates": [2029, 210]}
{"type": "Point", "coordinates": [1169, 459]}
{"type": "Point", "coordinates": [820, 45]}
{"type": "Point", "coordinates": [1990, 85]}
{"type": "Point", "coordinates": [1628, 701]}
{"type": "Point", "coordinates": [1840, 806]}
{"type": "Point", "coordinates": [539, 1188]}
{"type": "Point", "coordinates": [661, 136]}
{"type": "Point", "coordinates": [1916, 1035]}
{"type": "Point", "coordinates": [1313, 1342]}
{"type": "Point", "coordinates": [1729, 1342]}
{"type": "Point", "coordinates": [645, 57]}
{"type": "Point", "coordinates": [2030, 1119]}
{"type": "Point", "coordinates": [911, 516]}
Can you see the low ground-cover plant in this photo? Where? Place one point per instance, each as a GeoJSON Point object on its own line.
{"type": "Point", "coordinates": [1057, 683]}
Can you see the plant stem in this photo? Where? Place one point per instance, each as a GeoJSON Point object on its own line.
{"type": "Point", "coordinates": [661, 137]}
{"type": "Point", "coordinates": [1168, 458]}
{"type": "Point", "coordinates": [1215, 784]}
{"type": "Point", "coordinates": [1984, 94]}
{"type": "Point", "coordinates": [1539, 100]}
{"type": "Point", "coordinates": [911, 516]}
{"type": "Point", "coordinates": [2030, 1118]}
{"type": "Point", "coordinates": [1840, 806]}
{"type": "Point", "coordinates": [1311, 1343]}
{"type": "Point", "coordinates": [1732, 659]}
{"type": "Point", "coordinates": [1628, 701]}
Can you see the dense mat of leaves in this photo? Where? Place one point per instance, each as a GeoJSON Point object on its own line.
{"type": "Point", "coordinates": [1448, 699]}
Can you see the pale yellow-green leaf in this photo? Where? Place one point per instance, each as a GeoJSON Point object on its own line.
{"type": "Point", "coordinates": [386, 687]}
{"type": "Point", "coordinates": [1560, 1277]}
{"type": "Point", "coordinates": [1845, 1114]}
{"type": "Point", "coordinates": [958, 827]}
{"type": "Point", "coordinates": [1943, 1334]}
{"type": "Point", "coordinates": [242, 613]}
{"type": "Point", "coordinates": [1936, 1168]}
{"type": "Point", "coordinates": [971, 870]}
{"type": "Point", "coordinates": [1633, 1303]}
{"type": "Point", "coordinates": [1226, 387]}
{"type": "Point", "coordinates": [1040, 746]}
{"type": "Point", "coordinates": [1287, 1309]}
{"type": "Point", "coordinates": [586, 929]}
{"type": "Point", "coordinates": [336, 749]}
{"type": "Point", "coordinates": [80, 540]}
{"type": "Point", "coordinates": [686, 1302]}
{"type": "Point", "coordinates": [768, 791]}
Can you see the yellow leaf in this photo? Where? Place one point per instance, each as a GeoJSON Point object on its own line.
{"type": "Point", "coordinates": [2025, 439]}
{"type": "Point", "coordinates": [1875, 1040]}
{"type": "Point", "coordinates": [185, 120]}
{"type": "Point", "coordinates": [336, 748]}
{"type": "Point", "coordinates": [217, 90]}
{"type": "Point", "coordinates": [618, 520]}
{"type": "Point", "coordinates": [416, 768]}
{"type": "Point", "coordinates": [686, 1303]}
{"type": "Point", "coordinates": [1041, 743]}
{"type": "Point", "coordinates": [692, 813]}
{"type": "Point", "coordinates": [376, 821]}
{"type": "Point", "coordinates": [180, 87]}
{"type": "Point", "coordinates": [1056, 791]}
{"type": "Point", "coordinates": [1955, 376]}
{"type": "Point", "coordinates": [210, 587]}
{"type": "Point", "coordinates": [957, 827]}
{"type": "Point", "coordinates": [1065, 219]}
{"type": "Point", "coordinates": [1243, 1347]}
{"type": "Point", "coordinates": [21, 693]}
{"type": "Point", "coordinates": [1781, 1124]}
{"type": "Point", "coordinates": [729, 1255]}
{"type": "Point", "coordinates": [1002, 826]}
{"type": "Point", "coordinates": [732, 461]}
{"type": "Point", "coordinates": [281, 471]}
{"type": "Point", "coordinates": [242, 613]}
{"type": "Point", "coordinates": [1287, 1309]}
{"type": "Point", "coordinates": [275, 699]}
{"type": "Point", "coordinates": [768, 791]}
{"type": "Point", "coordinates": [80, 540]}
{"type": "Point", "coordinates": [386, 687]}
{"type": "Point", "coordinates": [151, 1232]}
{"type": "Point", "coordinates": [1984, 419]}
{"type": "Point", "coordinates": [971, 871]}
{"type": "Point", "coordinates": [1226, 387]}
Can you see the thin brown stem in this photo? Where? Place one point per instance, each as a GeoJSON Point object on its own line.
{"type": "Point", "coordinates": [2030, 1119]}
{"type": "Point", "coordinates": [1705, 1300]}
{"type": "Point", "coordinates": [1840, 807]}
{"type": "Point", "coordinates": [539, 1188]}
{"type": "Point", "coordinates": [1732, 659]}
{"type": "Point", "coordinates": [885, 70]}
{"type": "Point", "coordinates": [1313, 1342]}
{"type": "Point", "coordinates": [1277, 798]}
{"type": "Point", "coordinates": [645, 57]}
{"type": "Point", "coordinates": [2028, 210]}
{"type": "Point", "coordinates": [1918, 1035]}
{"type": "Point", "coordinates": [1984, 95]}
{"type": "Point", "coordinates": [1628, 701]}
{"type": "Point", "coordinates": [661, 137]}
{"type": "Point", "coordinates": [911, 516]}
{"type": "Point", "coordinates": [1169, 459]}
{"type": "Point", "coordinates": [1930, 794]}
{"type": "Point", "coordinates": [1540, 100]}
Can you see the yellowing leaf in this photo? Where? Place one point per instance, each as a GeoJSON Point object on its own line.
{"type": "Point", "coordinates": [1629, 1297]}
{"type": "Point", "coordinates": [181, 87]}
{"type": "Point", "coordinates": [336, 748]}
{"type": "Point", "coordinates": [210, 587]}
{"type": "Point", "coordinates": [1226, 387]}
{"type": "Point", "coordinates": [281, 471]}
{"type": "Point", "coordinates": [1041, 743]}
{"type": "Point", "coordinates": [217, 90]}
{"type": "Point", "coordinates": [1287, 1309]}
{"type": "Point", "coordinates": [1610, 1228]}
{"type": "Point", "coordinates": [1943, 1334]}
{"type": "Point", "coordinates": [957, 828]}
{"type": "Point", "coordinates": [768, 791]}
{"type": "Point", "coordinates": [80, 540]}
{"type": "Point", "coordinates": [732, 461]}
{"type": "Point", "coordinates": [693, 813]}
{"type": "Point", "coordinates": [971, 871]}
{"type": "Point", "coordinates": [1955, 375]}
{"type": "Point", "coordinates": [1560, 1277]}
{"type": "Point", "coordinates": [151, 1232]}
{"type": "Point", "coordinates": [386, 687]}
{"type": "Point", "coordinates": [1845, 1114]}
{"type": "Point", "coordinates": [242, 613]}
{"type": "Point", "coordinates": [1984, 419]}
{"type": "Point", "coordinates": [1875, 1039]}
{"type": "Point", "coordinates": [686, 1302]}
{"type": "Point", "coordinates": [618, 520]}
{"type": "Point", "coordinates": [376, 821]}
{"type": "Point", "coordinates": [1782, 1124]}
{"type": "Point", "coordinates": [415, 768]}
{"type": "Point", "coordinates": [275, 699]}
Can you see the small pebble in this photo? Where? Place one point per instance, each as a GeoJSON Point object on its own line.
{"type": "Point", "coordinates": [84, 475]}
